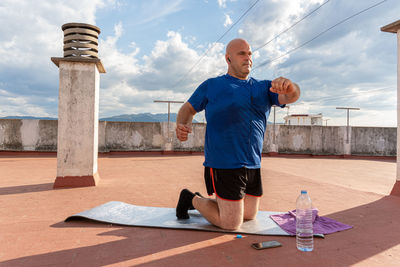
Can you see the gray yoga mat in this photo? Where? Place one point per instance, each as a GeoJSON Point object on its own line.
{"type": "Point", "coordinates": [121, 213]}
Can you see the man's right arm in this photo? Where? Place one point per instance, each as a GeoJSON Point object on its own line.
{"type": "Point", "coordinates": [184, 121]}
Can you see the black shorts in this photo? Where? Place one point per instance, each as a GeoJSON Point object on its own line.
{"type": "Point", "coordinates": [233, 184]}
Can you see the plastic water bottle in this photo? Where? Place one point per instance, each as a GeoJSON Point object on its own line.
{"type": "Point", "coordinates": [304, 226]}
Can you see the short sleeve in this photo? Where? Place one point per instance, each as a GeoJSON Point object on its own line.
{"type": "Point", "coordinates": [199, 99]}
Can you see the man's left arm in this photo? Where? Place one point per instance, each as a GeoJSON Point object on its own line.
{"type": "Point", "coordinates": [288, 91]}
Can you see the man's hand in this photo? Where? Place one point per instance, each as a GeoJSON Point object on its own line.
{"type": "Point", "coordinates": [288, 91]}
{"type": "Point", "coordinates": [282, 86]}
{"type": "Point", "coordinates": [182, 131]}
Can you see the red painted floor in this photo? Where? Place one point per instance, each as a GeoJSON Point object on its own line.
{"type": "Point", "coordinates": [352, 191]}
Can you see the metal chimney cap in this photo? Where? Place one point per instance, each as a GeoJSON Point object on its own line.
{"type": "Point", "coordinates": [80, 40]}
{"type": "Point", "coordinates": [80, 44]}
{"type": "Point", "coordinates": [80, 25]}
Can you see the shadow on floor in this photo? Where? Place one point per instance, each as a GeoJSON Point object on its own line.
{"type": "Point", "coordinates": [22, 189]}
{"type": "Point", "coordinates": [376, 229]}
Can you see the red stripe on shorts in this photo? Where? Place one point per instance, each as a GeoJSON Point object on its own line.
{"type": "Point", "coordinates": [215, 191]}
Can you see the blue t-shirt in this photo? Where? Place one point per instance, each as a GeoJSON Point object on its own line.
{"type": "Point", "coordinates": [236, 111]}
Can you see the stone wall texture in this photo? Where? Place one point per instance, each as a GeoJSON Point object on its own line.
{"type": "Point", "coordinates": [41, 135]}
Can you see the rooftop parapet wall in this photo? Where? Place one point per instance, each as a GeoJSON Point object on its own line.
{"type": "Point", "coordinates": [318, 140]}
{"type": "Point", "coordinates": [131, 136]}
{"type": "Point", "coordinates": [379, 141]}
{"type": "Point", "coordinates": [41, 135]}
{"type": "Point", "coordinates": [28, 135]}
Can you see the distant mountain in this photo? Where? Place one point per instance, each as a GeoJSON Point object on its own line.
{"type": "Point", "coordinates": [143, 117]}
{"type": "Point", "coordinates": [28, 118]}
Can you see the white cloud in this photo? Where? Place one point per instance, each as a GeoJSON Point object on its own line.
{"type": "Point", "coordinates": [115, 61]}
{"type": "Point", "coordinates": [256, 55]}
{"type": "Point", "coordinates": [129, 99]}
{"type": "Point", "coordinates": [30, 34]}
{"type": "Point", "coordinates": [157, 9]}
{"type": "Point", "coordinates": [260, 28]}
{"type": "Point", "coordinates": [348, 60]}
{"type": "Point", "coordinates": [222, 3]}
{"type": "Point", "coordinates": [36, 33]}
{"type": "Point", "coordinates": [353, 55]}
{"type": "Point", "coordinates": [228, 20]}
{"type": "Point", "coordinates": [131, 84]}
{"type": "Point", "coordinates": [18, 105]}
{"type": "Point", "coordinates": [170, 65]}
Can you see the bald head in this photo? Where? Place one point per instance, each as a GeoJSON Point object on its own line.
{"type": "Point", "coordinates": [232, 45]}
{"type": "Point", "coordinates": [238, 56]}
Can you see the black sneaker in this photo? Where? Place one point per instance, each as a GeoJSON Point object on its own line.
{"type": "Point", "coordinates": [184, 203]}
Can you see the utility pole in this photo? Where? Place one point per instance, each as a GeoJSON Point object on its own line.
{"type": "Point", "coordinates": [287, 115]}
{"type": "Point", "coordinates": [169, 110]}
{"type": "Point", "coordinates": [326, 122]}
{"type": "Point", "coordinates": [287, 106]}
{"type": "Point", "coordinates": [348, 118]}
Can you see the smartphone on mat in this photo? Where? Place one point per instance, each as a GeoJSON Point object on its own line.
{"type": "Point", "coordinates": [266, 244]}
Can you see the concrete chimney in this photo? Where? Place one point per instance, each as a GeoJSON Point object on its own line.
{"type": "Point", "coordinates": [395, 28]}
{"type": "Point", "coordinates": [78, 107]}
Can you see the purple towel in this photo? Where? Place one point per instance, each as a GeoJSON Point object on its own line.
{"type": "Point", "coordinates": [321, 225]}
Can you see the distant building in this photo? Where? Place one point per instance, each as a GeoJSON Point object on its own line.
{"type": "Point", "coordinates": [303, 119]}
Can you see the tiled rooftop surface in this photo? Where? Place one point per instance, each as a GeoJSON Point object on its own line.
{"type": "Point", "coordinates": [33, 231]}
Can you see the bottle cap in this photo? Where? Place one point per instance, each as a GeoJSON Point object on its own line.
{"type": "Point", "coordinates": [304, 191]}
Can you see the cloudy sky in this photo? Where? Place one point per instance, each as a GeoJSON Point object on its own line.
{"type": "Point", "coordinates": [163, 49]}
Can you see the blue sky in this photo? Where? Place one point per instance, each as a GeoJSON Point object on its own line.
{"type": "Point", "coordinates": [148, 48]}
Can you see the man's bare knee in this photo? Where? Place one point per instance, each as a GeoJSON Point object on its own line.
{"type": "Point", "coordinates": [229, 224]}
{"type": "Point", "coordinates": [230, 214]}
{"type": "Point", "coordinates": [250, 215]}
{"type": "Point", "coordinates": [251, 205]}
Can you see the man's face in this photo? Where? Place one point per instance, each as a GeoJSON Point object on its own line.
{"type": "Point", "coordinates": [239, 59]}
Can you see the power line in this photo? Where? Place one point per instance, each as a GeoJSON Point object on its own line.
{"type": "Point", "coordinates": [353, 94]}
{"type": "Point", "coordinates": [309, 14]}
{"type": "Point", "coordinates": [318, 35]}
{"type": "Point", "coordinates": [323, 99]}
{"type": "Point", "coordinates": [219, 39]}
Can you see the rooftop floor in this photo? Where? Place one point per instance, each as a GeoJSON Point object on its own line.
{"type": "Point", "coordinates": [352, 191]}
